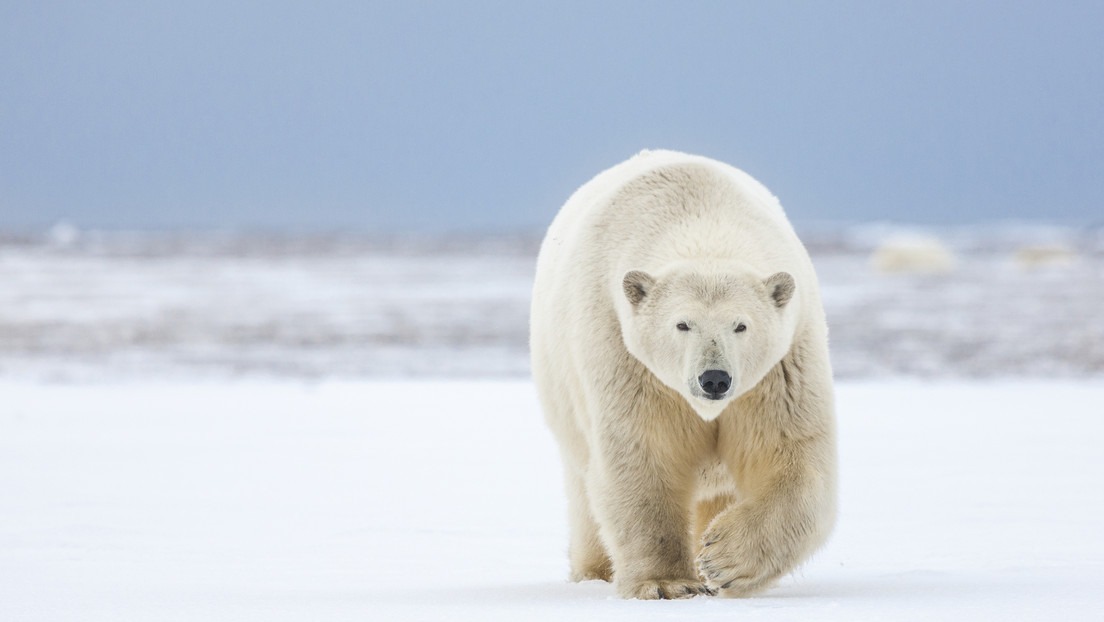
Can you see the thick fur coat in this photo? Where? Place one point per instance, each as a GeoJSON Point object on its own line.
{"type": "Point", "coordinates": [679, 348]}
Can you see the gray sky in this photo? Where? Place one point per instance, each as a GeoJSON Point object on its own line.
{"type": "Point", "coordinates": [486, 115]}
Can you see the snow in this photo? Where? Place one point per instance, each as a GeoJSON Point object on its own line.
{"type": "Point", "coordinates": [226, 427]}
{"type": "Point", "coordinates": [104, 307]}
{"type": "Point", "coordinates": [441, 500]}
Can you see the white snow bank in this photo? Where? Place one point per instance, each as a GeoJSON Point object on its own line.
{"type": "Point", "coordinates": [912, 253]}
{"type": "Point", "coordinates": [442, 501]}
{"type": "Point", "coordinates": [304, 308]}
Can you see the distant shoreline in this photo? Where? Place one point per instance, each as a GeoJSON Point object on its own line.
{"type": "Point", "coordinates": [822, 237]}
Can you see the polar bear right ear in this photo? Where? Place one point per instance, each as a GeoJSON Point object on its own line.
{"type": "Point", "coordinates": [781, 287]}
{"type": "Point", "coordinates": [637, 284]}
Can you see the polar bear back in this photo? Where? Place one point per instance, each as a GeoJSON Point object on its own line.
{"type": "Point", "coordinates": [658, 208]}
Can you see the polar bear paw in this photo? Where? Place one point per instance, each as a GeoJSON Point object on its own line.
{"type": "Point", "coordinates": [655, 589]}
{"type": "Point", "coordinates": [600, 572]}
{"type": "Point", "coordinates": [733, 566]}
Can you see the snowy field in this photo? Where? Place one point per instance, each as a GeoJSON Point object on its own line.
{"type": "Point", "coordinates": [328, 428]}
{"type": "Point", "coordinates": [441, 501]}
{"type": "Point", "coordinates": [105, 307]}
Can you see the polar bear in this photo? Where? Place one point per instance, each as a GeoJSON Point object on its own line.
{"type": "Point", "coordinates": [679, 349]}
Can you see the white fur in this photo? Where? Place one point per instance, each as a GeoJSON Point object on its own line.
{"type": "Point", "coordinates": [672, 494]}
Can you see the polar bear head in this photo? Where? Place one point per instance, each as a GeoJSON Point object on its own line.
{"type": "Point", "coordinates": [710, 335]}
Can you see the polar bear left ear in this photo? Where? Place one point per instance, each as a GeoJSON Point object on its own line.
{"type": "Point", "coordinates": [781, 287]}
{"type": "Point", "coordinates": [637, 284]}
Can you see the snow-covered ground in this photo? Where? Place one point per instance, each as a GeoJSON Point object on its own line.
{"type": "Point", "coordinates": [441, 500]}
{"type": "Point", "coordinates": [332, 428]}
{"type": "Point", "coordinates": [105, 307]}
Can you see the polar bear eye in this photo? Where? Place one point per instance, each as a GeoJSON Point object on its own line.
{"type": "Point", "coordinates": [741, 327]}
{"type": "Point", "coordinates": [682, 326]}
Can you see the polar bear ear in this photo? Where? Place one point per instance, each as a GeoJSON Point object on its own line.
{"type": "Point", "coordinates": [781, 287]}
{"type": "Point", "coordinates": [637, 284]}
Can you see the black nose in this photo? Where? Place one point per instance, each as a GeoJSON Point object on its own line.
{"type": "Point", "coordinates": [715, 382]}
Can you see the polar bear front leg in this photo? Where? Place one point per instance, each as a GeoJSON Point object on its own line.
{"type": "Point", "coordinates": [644, 521]}
{"type": "Point", "coordinates": [786, 511]}
{"type": "Point", "coordinates": [752, 543]}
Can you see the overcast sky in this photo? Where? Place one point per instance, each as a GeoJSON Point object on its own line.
{"type": "Point", "coordinates": [475, 115]}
